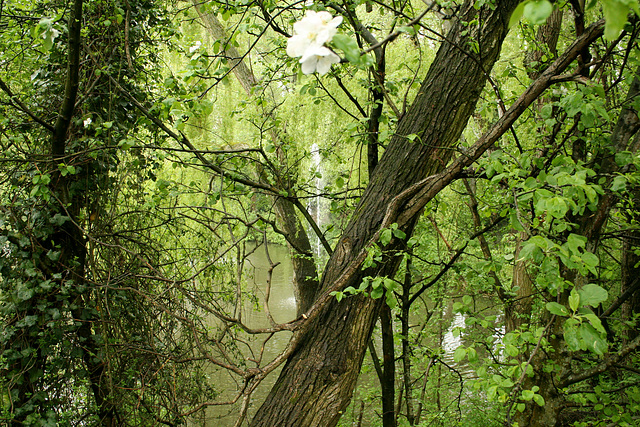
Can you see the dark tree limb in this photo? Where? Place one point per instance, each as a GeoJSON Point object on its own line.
{"type": "Point", "coordinates": [21, 106]}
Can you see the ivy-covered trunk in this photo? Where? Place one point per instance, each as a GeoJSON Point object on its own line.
{"type": "Point", "coordinates": [53, 358]}
{"type": "Point", "coordinates": [316, 383]}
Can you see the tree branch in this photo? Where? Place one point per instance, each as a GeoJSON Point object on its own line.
{"type": "Point", "coordinates": [608, 362]}
{"type": "Point", "coordinates": [14, 99]}
{"type": "Point", "coordinates": [428, 188]}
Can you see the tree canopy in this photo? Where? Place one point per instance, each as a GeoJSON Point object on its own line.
{"type": "Point", "coordinates": [438, 172]}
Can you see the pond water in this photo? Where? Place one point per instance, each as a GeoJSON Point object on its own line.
{"type": "Point", "coordinates": [282, 307]}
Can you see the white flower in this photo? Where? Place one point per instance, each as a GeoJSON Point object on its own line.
{"type": "Point", "coordinates": [310, 35]}
{"type": "Point", "coordinates": [87, 122]}
{"type": "Point", "coordinates": [318, 59]}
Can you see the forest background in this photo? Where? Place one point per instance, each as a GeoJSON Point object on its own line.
{"type": "Point", "coordinates": [469, 158]}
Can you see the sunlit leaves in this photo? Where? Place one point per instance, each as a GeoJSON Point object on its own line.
{"type": "Point", "coordinates": [388, 233]}
{"type": "Point", "coordinates": [535, 11]}
{"type": "Point", "coordinates": [593, 341]}
{"type": "Point", "coordinates": [47, 32]}
{"type": "Point", "coordinates": [557, 309]}
{"type": "Point", "coordinates": [615, 14]}
{"type": "Point", "coordinates": [592, 295]}
{"type": "Point", "coordinates": [532, 394]}
{"type": "Point", "coordinates": [352, 51]}
{"type": "Point", "coordinates": [376, 287]}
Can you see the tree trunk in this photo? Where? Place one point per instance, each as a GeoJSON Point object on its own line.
{"type": "Point", "coordinates": [316, 384]}
{"type": "Point", "coordinates": [389, 364]}
{"type": "Point", "coordinates": [518, 308]}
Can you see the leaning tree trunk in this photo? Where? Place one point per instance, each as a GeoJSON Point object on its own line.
{"type": "Point", "coordinates": [316, 384]}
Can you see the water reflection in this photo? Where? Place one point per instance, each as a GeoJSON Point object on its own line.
{"type": "Point", "coordinates": [282, 307]}
{"type": "Point", "coordinates": [282, 302]}
{"type": "Point", "coordinates": [453, 339]}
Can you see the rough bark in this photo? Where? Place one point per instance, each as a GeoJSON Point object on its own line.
{"type": "Point", "coordinates": [316, 384]}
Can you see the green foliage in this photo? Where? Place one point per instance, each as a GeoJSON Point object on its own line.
{"type": "Point", "coordinates": [615, 13]}
{"type": "Point", "coordinates": [127, 264]}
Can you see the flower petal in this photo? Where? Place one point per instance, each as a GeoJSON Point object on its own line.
{"type": "Point", "coordinates": [309, 65]}
{"type": "Point", "coordinates": [297, 45]}
{"type": "Point", "coordinates": [325, 63]}
{"type": "Point", "coordinates": [314, 50]}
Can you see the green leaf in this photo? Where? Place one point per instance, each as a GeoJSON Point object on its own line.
{"type": "Point", "coordinates": [389, 284]}
{"type": "Point", "coordinates": [574, 299]}
{"type": "Point", "coordinates": [527, 394]}
{"type": "Point", "coordinates": [575, 242]}
{"type": "Point", "coordinates": [557, 207]}
{"type": "Point", "coordinates": [537, 12]}
{"type": "Point", "coordinates": [571, 336]}
{"type": "Point", "coordinates": [538, 399]}
{"type": "Point", "coordinates": [472, 354]}
{"type": "Point", "coordinates": [516, 15]}
{"type": "Point", "coordinates": [592, 295]}
{"type": "Point", "coordinates": [624, 158]}
{"type": "Point", "coordinates": [349, 46]}
{"type": "Point", "coordinates": [126, 144]}
{"type": "Point", "coordinates": [385, 237]}
{"type": "Point", "coordinates": [53, 255]}
{"type": "Point", "coordinates": [492, 392]}
{"type": "Point", "coordinates": [377, 292]}
{"type": "Point", "coordinates": [595, 322]}
{"type": "Point", "coordinates": [58, 219]}
{"type": "Point", "coordinates": [391, 299]}
{"type": "Point", "coordinates": [592, 339]}
{"type": "Point", "coordinates": [619, 183]}
{"type": "Point", "coordinates": [459, 354]}
{"type": "Point", "coordinates": [557, 309]}
{"type": "Point", "coordinates": [615, 15]}
{"type": "Point", "coordinates": [407, 29]}
{"type": "Point", "coordinates": [591, 261]}
{"type": "Point", "coordinates": [511, 350]}
{"type": "Point", "coordinates": [399, 234]}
